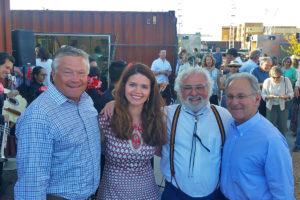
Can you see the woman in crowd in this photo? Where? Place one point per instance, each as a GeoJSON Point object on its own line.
{"type": "Point", "coordinates": [234, 68]}
{"type": "Point", "coordinates": [291, 73]}
{"type": "Point", "coordinates": [132, 136]}
{"type": "Point", "coordinates": [208, 63]}
{"type": "Point", "coordinates": [277, 91]}
{"type": "Point", "coordinates": [288, 70]}
{"type": "Point", "coordinates": [38, 76]}
{"type": "Point", "coordinates": [44, 61]}
{"type": "Point", "coordinates": [187, 62]}
{"type": "Point", "coordinates": [180, 60]}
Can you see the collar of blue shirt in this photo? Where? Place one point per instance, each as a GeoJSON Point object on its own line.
{"type": "Point", "coordinates": [59, 98]}
{"type": "Point", "coordinates": [244, 127]}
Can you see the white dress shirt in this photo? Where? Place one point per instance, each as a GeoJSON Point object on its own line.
{"type": "Point", "coordinates": [160, 65]}
{"type": "Point", "coordinates": [203, 179]}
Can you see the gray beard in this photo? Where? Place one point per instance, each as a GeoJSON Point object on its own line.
{"type": "Point", "coordinates": [194, 108]}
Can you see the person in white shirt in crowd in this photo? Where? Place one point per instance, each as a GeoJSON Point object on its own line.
{"type": "Point", "coordinates": [252, 62]}
{"type": "Point", "coordinates": [43, 60]}
{"type": "Point", "coordinates": [191, 161]}
{"type": "Point", "coordinates": [277, 92]}
{"type": "Point", "coordinates": [161, 67]}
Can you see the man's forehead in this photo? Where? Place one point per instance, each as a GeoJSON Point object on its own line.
{"type": "Point", "coordinates": [194, 79]}
{"type": "Point", "coordinates": [239, 85]}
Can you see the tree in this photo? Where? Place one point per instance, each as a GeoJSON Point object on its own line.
{"type": "Point", "coordinates": [294, 48]}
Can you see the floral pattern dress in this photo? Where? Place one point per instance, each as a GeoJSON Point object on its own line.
{"type": "Point", "coordinates": [127, 172]}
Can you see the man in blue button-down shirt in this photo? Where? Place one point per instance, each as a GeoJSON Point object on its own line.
{"type": "Point", "coordinates": [58, 136]}
{"type": "Point", "coordinates": [256, 159]}
{"type": "Point", "coordinates": [251, 63]}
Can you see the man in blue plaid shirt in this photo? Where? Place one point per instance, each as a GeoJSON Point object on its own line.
{"type": "Point", "coordinates": [58, 136]}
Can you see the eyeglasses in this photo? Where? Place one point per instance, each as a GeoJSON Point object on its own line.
{"type": "Point", "coordinates": [233, 66]}
{"type": "Point", "coordinates": [44, 75]}
{"type": "Point", "coordinates": [239, 97]}
{"type": "Point", "coordinates": [276, 77]}
{"type": "Point", "coordinates": [189, 88]}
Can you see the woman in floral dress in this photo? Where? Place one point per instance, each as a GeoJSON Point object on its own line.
{"type": "Point", "coordinates": [131, 137]}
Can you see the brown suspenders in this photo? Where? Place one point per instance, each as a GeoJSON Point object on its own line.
{"type": "Point", "coordinates": [172, 140]}
{"type": "Point", "coordinates": [172, 143]}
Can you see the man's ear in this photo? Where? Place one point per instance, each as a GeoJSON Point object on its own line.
{"type": "Point", "coordinates": [257, 98]}
{"type": "Point", "coordinates": [53, 75]}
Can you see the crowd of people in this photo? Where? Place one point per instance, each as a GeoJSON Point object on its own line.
{"type": "Point", "coordinates": [69, 149]}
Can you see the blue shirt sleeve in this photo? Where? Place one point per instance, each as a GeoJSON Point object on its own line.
{"type": "Point", "coordinates": [33, 157]}
{"type": "Point", "coordinates": [153, 65]}
{"type": "Point", "coordinates": [242, 69]}
{"type": "Point", "coordinates": [279, 171]}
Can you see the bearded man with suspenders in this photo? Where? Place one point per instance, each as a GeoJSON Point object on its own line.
{"type": "Point", "coordinates": [191, 161]}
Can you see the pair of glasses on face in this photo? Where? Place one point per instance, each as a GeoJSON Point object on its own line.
{"type": "Point", "coordinates": [189, 88]}
{"type": "Point", "coordinates": [234, 66]}
{"type": "Point", "coordinates": [276, 77]}
{"type": "Point", "coordinates": [239, 97]}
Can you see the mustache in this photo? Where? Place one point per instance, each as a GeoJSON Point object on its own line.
{"type": "Point", "coordinates": [198, 97]}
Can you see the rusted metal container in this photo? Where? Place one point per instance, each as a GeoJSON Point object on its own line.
{"type": "Point", "coordinates": [131, 36]}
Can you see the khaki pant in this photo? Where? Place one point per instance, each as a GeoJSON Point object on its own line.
{"type": "Point", "coordinates": [278, 118]}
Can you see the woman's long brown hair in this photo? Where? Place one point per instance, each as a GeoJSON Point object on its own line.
{"type": "Point", "coordinates": [153, 120]}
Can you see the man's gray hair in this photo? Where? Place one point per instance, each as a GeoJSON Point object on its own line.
{"type": "Point", "coordinates": [255, 53]}
{"type": "Point", "coordinates": [189, 71]}
{"type": "Point", "coordinates": [264, 59]}
{"type": "Point", "coordinates": [70, 51]}
{"type": "Point", "coordinates": [244, 75]}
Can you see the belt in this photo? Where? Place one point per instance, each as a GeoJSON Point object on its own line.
{"type": "Point", "coordinates": [53, 197]}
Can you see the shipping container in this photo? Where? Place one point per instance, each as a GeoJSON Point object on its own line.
{"type": "Point", "coordinates": [130, 36]}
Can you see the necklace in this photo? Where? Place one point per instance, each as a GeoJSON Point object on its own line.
{"type": "Point", "coordinates": [136, 142]}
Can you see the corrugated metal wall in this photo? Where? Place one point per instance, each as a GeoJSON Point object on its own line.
{"type": "Point", "coordinates": [140, 34]}
{"type": "Point", "coordinates": [5, 32]}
